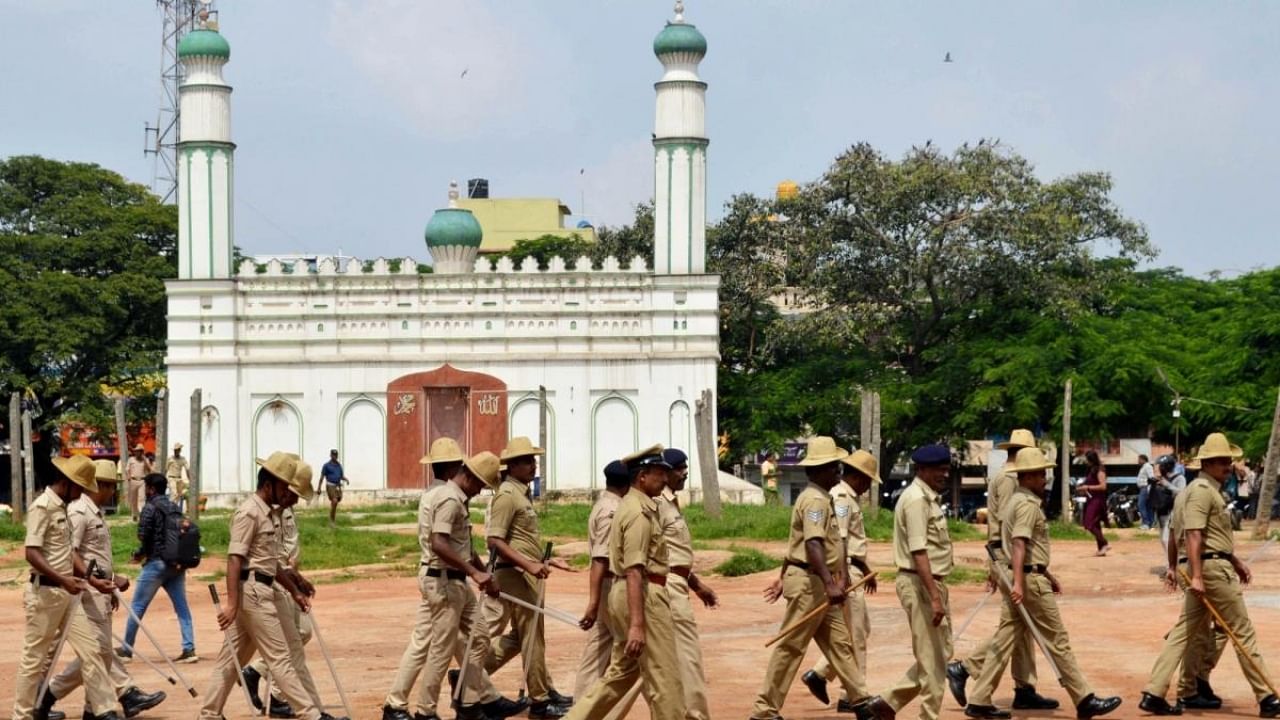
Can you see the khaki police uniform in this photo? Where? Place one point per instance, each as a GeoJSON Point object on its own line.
{"type": "Point", "coordinates": [853, 532]}
{"type": "Point", "coordinates": [46, 605]}
{"type": "Point", "coordinates": [919, 524]}
{"type": "Point", "coordinates": [812, 517]}
{"type": "Point", "coordinates": [513, 519]}
{"type": "Point", "coordinates": [415, 653]}
{"type": "Point", "coordinates": [1024, 518]}
{"type": "Point", "coordinates": [1206, 511]}
{"type": "Point", "coordinates": [135, 472]}
{"type": "Point", "coordinates": [599, 645]}
{"type": "Point", "coordinates": [999, 491]}
{"type": "Point", "coordinates": [177, 471]}
{"type": "Point", "coordinates": [255, 536]}
{"type": "Point", "coordinates": [92, 539]}
{"type": "Point", "coordinates": [636, 540]}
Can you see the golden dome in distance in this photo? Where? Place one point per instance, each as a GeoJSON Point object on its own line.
{"type": "Point", "coordinates": [787, 190]}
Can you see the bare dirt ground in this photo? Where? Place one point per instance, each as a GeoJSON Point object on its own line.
{"type": "Point", "coordinates": [1114, 607]}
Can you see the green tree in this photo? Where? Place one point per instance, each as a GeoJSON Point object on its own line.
{"type": "Point", "coordinates": [627, 241]}
{"type": "Point", "coordinates": [545, 247]}
{"type": "Point", "coordinates": [83, 258]}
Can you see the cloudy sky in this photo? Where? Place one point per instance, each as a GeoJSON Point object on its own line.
{"type": "Point", "coordinates": [351, 116]}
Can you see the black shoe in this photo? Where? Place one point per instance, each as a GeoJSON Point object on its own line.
{"type": "Point", "coordinates": [957, 677]}
{"type": "Point", "coordinates": [416, 716]}
{"type": "Point", "coordinates": [390, 713]}
{"type": "Point", "coordinates": [57, 715]}
{"type": "Point", "coordinates": [1093, 706]}
{"type": "Point", "coordinates": [453, 680]}
{"type": "Point", "coordinates": [880, 710]}
{"type": "Point", "coordinates": [1200, 702]}
{"type": "Point", "coordinates": [43, 710]}
{"type": "Point", "coordinates": [844, 706]}
{"type": "Point", "coordinates": [1026, 698]}
{"type": "Point", "coordinates": [251, 681]}
{"type": "Point", "coordinates": [1205, 690]}
{"type": "Point", "coordinates": [471, 712]}
{"type": "Point", "coordinates": [281, 709]}
{"type": "Point", "coordinates": [817, 686]}
{"type": "Point", "coordinates": [136, 701]}
{"type": "Point", "coordinates": [546, 709]}
{"type": "Point", "coordinates": [986, 711]}
{"type": "Point", "coordinates": [327, 716]}
{"type": "Point", "coordinates": [504, 708]}
{"type": "Point", "coordinates": [558, 699]}
{"type": "Point", "coordinates": [1269, 707]}
{"type": "Point", "coordinates": [861, 709]}
{"type": "Point", "coordinates": [1158, 705]}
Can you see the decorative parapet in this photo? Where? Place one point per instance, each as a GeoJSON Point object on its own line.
{"type": "Point", "coordinates": [407, 266]}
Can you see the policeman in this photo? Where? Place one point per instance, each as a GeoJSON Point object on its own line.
{"type": "Point", "coordinates": [1025, 536]}
{"type": "Point", "coordinates": [860, 472]}
{"type": "Point", "coordinates": [50, 597]}
{"type": "Point", "coordinates": [91, 540]}
{"type": "Point", "coordinates": [814, 572]}
{"type": "Point", "coordinates": [513, 532]}
{"type": "Point", "coordinates": [638, 602]}
{"type": "Point", "coordinates": [1215, 571]}
{"type": "Point", "coordinates": [922, 552]}
{"type": "Point", "coordinates": [249, 617]}
{"type": "Point", "coordinates": [595, 620]}
{"type": "Point", "coordinates": [1025, 697]}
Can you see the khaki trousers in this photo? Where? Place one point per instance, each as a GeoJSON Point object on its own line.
{"type": "Point", "coordinates": [454, 612]}
{"type": "Point", "coordinates": [655, 668]}
{"type": "Point", "coordinates": [1024, 653]}
{"type": "Point", "coordinates": [930, 645]}
{"type": "Point", "coordinates": [97, 610]}
{"type": "Point", "coordinates": [803, 592]}
{"type": "Point", "coordinates": [295, 625]}
{"type": "Point", "coordinates": [135, 497]}
{"type": "Point", "coordinates": [860, 627]}
{"type": "Point", "coordinates": [258, 628]}
{"type": "Point", "coordinates": [526, 637]}
{"type": "Point", "coordinates": [693, 679]}
{"type": "Point", "coordinates": [599, 646]}
{"type": "Point", "coordinates": [1222, 589]}
{"type": "Point", "coordinates": [45, 609]}
{"type": "Point", "coordinates": [1042, 608]}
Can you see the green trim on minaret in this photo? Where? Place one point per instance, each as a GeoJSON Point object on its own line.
{"type": "Point", "coordinates": [453, 226]}
{"type": "Point", "coordinates": [204, 42]}
{"type": "Point", "coordinates": [679, 38]}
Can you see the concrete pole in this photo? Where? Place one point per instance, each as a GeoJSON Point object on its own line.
{"type": "Point", "coordinates": [29, 457]}
{"type": "Point", "coordinates": [16, 498]}
{"type": "Point", "coordinates": [1267, 492]}
{"type": "Point", "coordinates": [542, 437]}
{"type": "Point", "coordinates": [193, 457]}
{"type": "Point", "coordinates": [122, 442]}
{"type": "Point", "coordinates": [1064, 472]}
{"type": "Point", "coordinates": [162, 430]}
{"type": "Point", "coordinates": [876, 446]}
{"type": "Point", "coordinates": [704, 423]}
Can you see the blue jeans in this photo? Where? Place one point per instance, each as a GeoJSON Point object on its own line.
{"type": "Point", "coordinates": [153, 577]}
{"type": "Point", "coordinates": [1144, 506]}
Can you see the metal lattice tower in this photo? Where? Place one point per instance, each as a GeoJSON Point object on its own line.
{"type": "Point", "coordinates": [161, 139]}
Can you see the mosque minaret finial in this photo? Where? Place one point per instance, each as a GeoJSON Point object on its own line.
{"type": "Point", "coordinates": [679, 11]}
{"type": "Point", "coordinates": [453, 193]}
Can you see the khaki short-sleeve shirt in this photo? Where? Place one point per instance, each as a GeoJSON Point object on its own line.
{"type": "Point", "coordinates": [999, 490]}
{"type": "Point", "coordinates": [49, 529]}
{"type": "Point", "coordinates": [255, 536]}
{"type": "Point", "coordinates": [426, 510]}
{"type": "Point", "coordinates": [89, 533]}
{"type": "Point", "coordinates": [451, 515]}
{"type": "Point", "coordinates": [173, 468]}
{"type": "Point", "coordinates": [636, 539]}
{"type": "Point", "coordinates": [1176, 530]}
{"type": "Point", "coordinates": [849, 518]}
{"type": "Point", "coordinates": [513, 519]}
{"type": "Point", "coordinates": [600, 523]}
{"type": "Point", "coordinates": [675, 530]}
{"type": "Point", "coordinates": [919, 524]}
{"type": "Point", "coordinates": [1206, 511]}
{"type": "Point", "coordinates": [814, 517]}
{"type": "Point", "coordinates": [1024, 518]}
{"type": "Point", "coordinates": [290, 547]}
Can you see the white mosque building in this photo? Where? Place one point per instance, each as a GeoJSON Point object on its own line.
{"type": "Point", "coordinates": [377, 360]}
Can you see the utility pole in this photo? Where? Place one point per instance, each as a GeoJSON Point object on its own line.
{"type": "Point", "coordinates": [1267, 492]}
{"type": "Point", "coordinates": [16, 500]}
{"type": "Point", "coordinates": [1064, 479]}
{"type": "Point", "coordinates": [869, 435]}
{"type": "Point", "coordinates": [542, 436]}
{"type": "Point", "coordinates": [193, 457]}
{"type": "Point", "coordinates": [28, 457]}
{"type": "Point", "coordinates": [162, 428]}
{"type": "Point", "coordinates": [704, 422]}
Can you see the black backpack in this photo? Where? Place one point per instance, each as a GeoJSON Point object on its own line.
{"type": "Point", "coordinates": [1161, 499]}
{"type": "Point", "coordinates": [179, 538]}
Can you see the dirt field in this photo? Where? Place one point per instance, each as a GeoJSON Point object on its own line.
{"type": "Point", "coordinates": [1114, 606]}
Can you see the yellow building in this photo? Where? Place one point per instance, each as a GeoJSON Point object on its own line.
{"type": "Point", "coordinates": [506, 220]}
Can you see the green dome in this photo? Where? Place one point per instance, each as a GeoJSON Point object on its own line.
{"type": "Point", "coordinates": [203, 42]}
{"type": "Point", "coordinates": [453, 226]}
{"type": "Point", "coordinates": [679, 37]}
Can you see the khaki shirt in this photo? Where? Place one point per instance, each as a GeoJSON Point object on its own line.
{"type": "Point", "coordinates": [1024, 518]}
{"type": "Point", "coordinates": [599, 524]}
{"type": "Point", "coordinates": [451, 515]}
{"type": "Point", "coordinates": [255, 536]}
{"type": "Point", "coordinates": [999, 490]}
{"type": "Point", "coordinates": [675, 530]}
{"type": "Point", "coordinates": [1206, 510]}
{"type": "Point", "coordinates": [89, 533]}
{"type": "Point", "coordinates": [175, 467]}
{"type": "Point", "coordinates": [919, 524]}
{"type": "Point", "coordinates": [49, 529]}
{"type": "Point", "coordinates": [426, 518]}
{"type": "Point", "coordinates": [136, 469]}
{"type": "Point", "coordinates": [637, 538]}
{"type": "Point", "coordinates": [1176, 531]}
{"type": "Point", "coordinates": [512, 518]}
{"type": "Point", "coordinates": [290, 549]}
{"type": "Point", "coordinates": [814, 517]}
{"type": "Point", "coordinates": [849, 518]}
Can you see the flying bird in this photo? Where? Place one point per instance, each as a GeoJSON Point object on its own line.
{"type": "Point", "coordinates": [947, 59]}
{"type": "Point", "coordinates": [464, 71]}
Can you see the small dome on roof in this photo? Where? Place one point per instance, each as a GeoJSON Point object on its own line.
{"type": "Point", "coordinates": [583, 224]}
{"type": "Point", "coordinates": [204, 42]}
{"type": "Point", "coordinates": [679, 37]}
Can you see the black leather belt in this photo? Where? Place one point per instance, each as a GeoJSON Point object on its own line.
{"type": "Point", "coordinates": [683, 571]}
{"type": "Point", "coordinates": [44, 581]}
{"type": "Point", "coordinates": [657, 579]}
{"type": "Point", "coordinates": [448, 574]}
{"type": "Point", "coordinates": [1038, 569]}
{"type": "Point", "coordinates": [939, 578]}
{"type": "Point", "coordinates": [996, 544]}
{"type": "Point", "coordinates": [802, 565]}
{"type": "Point", "coordinates": [506, 566]}
{"type": "Point", "coordinates": [261, 577]}
{"type": "Point", "coordinates": [1211, 556]}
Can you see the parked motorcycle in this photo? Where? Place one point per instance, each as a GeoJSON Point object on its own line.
{"type": "Point", "coordinates": [1122, 510]}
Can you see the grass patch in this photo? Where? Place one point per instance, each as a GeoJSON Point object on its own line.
{"type": "Point", "coordinates": [1059, 530]}
{"type": "Point", "coordinates": [580, 561]}
{"type": "Point", "coordinates": [962, 575]}
{"type": "Point", "coordinates": [11, 531]}
{"type": "Point", "coordinates": [747, 561]}
{"type": "Point", "coordinates": [879, 526]}
{"type": "Point", "coordinates": [564, 521]}
{"type": "Point", "coordinates": [740, 522]}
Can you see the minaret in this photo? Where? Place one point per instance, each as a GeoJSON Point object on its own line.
{"type": "Point", "coordinates": [205, 157]}
{"type": "Point", "coordinates": [680, 151]}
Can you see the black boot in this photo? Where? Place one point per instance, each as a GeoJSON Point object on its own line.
{"type": "Point", "coordinates": [558, 699]}
{"type": "Point", "coordinates": [390, 713]}
{"type": "Point", "coordinates": [453, 681]}
{"type": "Point", "coordinates": [1200, 702]}
{"type": "Point", "coordinates": [879, 709]}
{"type": "Point", "coordinates": [546, 709]}
{"type": "Point", "coordinates": [986, 711]}
{"type": "Point", "coordinates": [251, 681]}
{"type": "Point", "coordinates": [957, 677]}
{"type": "Point", "coordinates": [1205, 690]}
{"type": "Point", "coordinates": [420, 716]}
{"type": "Point", "coordinates": [44, 711]}
{"type": "Point", "coordinates": [136, 701]}
{"type": "Point", "coordinates": [1026, 698]}
{"type": "Point", "coordinates": [817, 686]}
{"type": "Point", "coordinates": [473, 711]}
{"type": "Point", "coordinates": [1093, 706]}
{"type": "Point", "coordinates": [1158, 705]}
{"type": "Point", "coordinates": [280, 708]}
{"type": "Point", "coordinates": [1269, 707]}
{"type": "Point", "coordinates": [504, 708]}
{"type": "Point", "coordinates": [861, 709]}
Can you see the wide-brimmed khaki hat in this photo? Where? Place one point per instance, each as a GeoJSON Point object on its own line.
{"type": "Point", "coordinates": [177, 446]}
{"type": "Point", "coordinates": [1029, 460]}
{"type": "Point", "coordinates": [865, 463]}
{"type": "Point", "coordinates": [301, 482]}
{"type": "Point", "coordinates": [1020, 438]}
{"type": "Point", "coordinates": [823, 450]}
{"type": "Point", "coordinates": [1192, 464]}
{"type": "Point", "coordinates": [484, 465]}
{"type": "Point", "coordinates": [282, 465]}
{"type": "Point", "coordinates": [520, 446]}
{"type": "Point", "coordinates": [139, 448]}
{"type": "Point", "coordinates": [105, 471]}
{"type": "Point", "coordinates": [1217, 446]}
{"type": "Point", "coordinates": [79, 470]}
{"type": "Point", "coordinates": [443, 450]}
